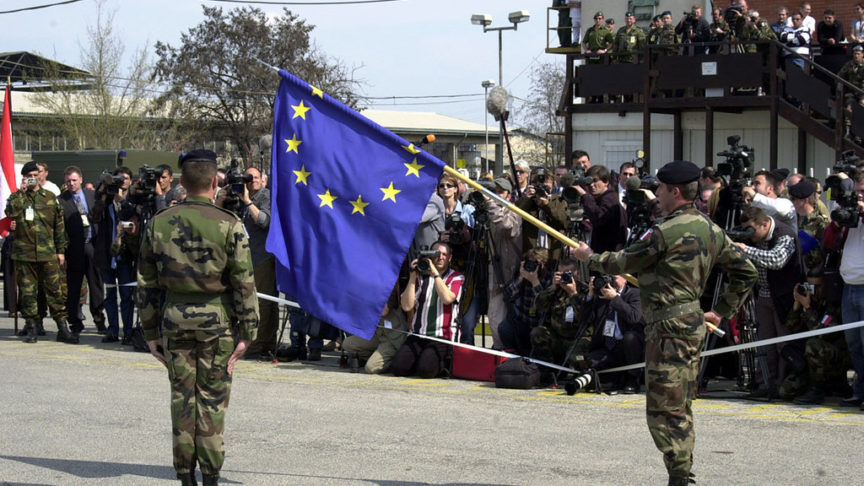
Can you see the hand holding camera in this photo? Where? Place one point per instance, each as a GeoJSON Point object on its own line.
{"type": "Point", "coordinates": [803, 294]}
{"type": "Point", "coordinates": [529, 271]}
{"type": "Point", "coordinates": [566, 281]}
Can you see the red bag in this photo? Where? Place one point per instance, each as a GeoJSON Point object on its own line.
{"type": "Point", "coordinates": [471, 364]}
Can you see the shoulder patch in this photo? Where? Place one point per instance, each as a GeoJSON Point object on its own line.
{"type": "Point", "coordinates": [646, 234]}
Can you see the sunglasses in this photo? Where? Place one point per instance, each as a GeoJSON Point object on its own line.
{"type": "Point", "coordinates": [521, 171]}
{"type": "Point", "coordinates": [446, 186]}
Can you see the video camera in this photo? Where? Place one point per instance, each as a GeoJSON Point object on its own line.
{"type": "Point", "coordinates": [842, 191]}
{"type": "Point", "coordinates": [455, 226]}
{"type": "Point", "coordinates": [741, 234]}
{"type": "Point", "coordinates": [145, 188]}
{"type": "Point", "coordinates": [736, 168]}
{"type": "Point", "coordinates": [423, 257]}
{"type": "Point", "coordinates": [731, 14]}
{"type": "Point", "coordinates": [235, 183]}
{"type": "Point", "coordinates": [111, 183]}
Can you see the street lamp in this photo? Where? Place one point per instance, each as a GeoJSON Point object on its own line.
{"type": "Point", "coordinates": [486, 85]}
{"type": "Point", "coordinates": [485, 20]}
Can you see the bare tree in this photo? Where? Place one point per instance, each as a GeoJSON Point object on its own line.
{"type": "Point", "coordinates": [112, 107]}
{"type": "Point", "coordinates": [537, 114]}
{"type": "Point", "coordinates": [218, 76]}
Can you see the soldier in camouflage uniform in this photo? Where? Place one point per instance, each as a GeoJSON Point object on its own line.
{"type": "Point", "coordinates": [629, 41]}
{"type": "Point", "coordinates": [853, 72]}
{"type": "Point", "coordinates": [562, 304]}
{"type": "Point", "coordinates": [653, 35]}
{"type": "Point", "coordinates": [597, 40]}
{"type": "Point", "coordinates": [673, 260]}
{"type": "Point", "coordinates": [197, 255]}
{"type": "Point", "coordinates": [38, 251]}
{"type": "Point", "coordinates": [811, 221]}
{"type": "Point", "coordinates": [825, 358]}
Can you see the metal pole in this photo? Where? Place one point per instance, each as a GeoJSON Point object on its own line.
{"type": "Point", "coordinates": [499, 154]}
{"type": "Point", "coordinates": [486, 122]}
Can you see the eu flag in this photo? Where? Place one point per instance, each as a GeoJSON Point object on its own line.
{"type": "Point", "coordinates": [347, 196]}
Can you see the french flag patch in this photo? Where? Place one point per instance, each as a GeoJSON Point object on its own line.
{"type": "Point", "coordinates": [826, 321]}
{"type": "Point", "coordinates": [646, 234]}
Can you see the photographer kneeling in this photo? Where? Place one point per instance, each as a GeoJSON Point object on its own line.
{"type": "Point", "coordinates": [521, 294]}
{"type": "Point", "coordinates": [614, 312]}
{"type": "Point", "coordinates": [562, 303]}
{"type": "Point", "coordinates": [433, 295]}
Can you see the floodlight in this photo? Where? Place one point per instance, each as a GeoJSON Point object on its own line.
{"type": "Point", "coordinates": [519, 16]}
{"type": "Point", "coordinates": [481, 19]}
{"type": "Point", "coordinates": [488, 83]}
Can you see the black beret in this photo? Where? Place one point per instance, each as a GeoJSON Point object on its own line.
{"type": "Point", "coordinates": [665, 13]}
{"type": "Point", "coordinates": [678, 172]}
{"type": "Point", "coordinates": [197, 155]}
{"type": "Point", "coordinates": [780, 174]}
{"type": "Point", "coordinates": [802, 190]}
{"type": "Point", "coordinates": [29, 167]}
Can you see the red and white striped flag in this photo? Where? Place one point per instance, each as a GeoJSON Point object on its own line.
{"type": "Point", "coordinates": [8, 183]}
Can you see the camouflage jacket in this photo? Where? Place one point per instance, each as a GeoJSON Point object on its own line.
{"type": "Point", "coordinates": [41, 236]}
{"type": "Point", "coordinates": [597, 38]}
{"type": "Point", "coordinates": [554, 301]}
{"type": "Point", "coordinates": [628, 43]}
{"type": "Point", "coordinates": [724, 30]}
{"type": "Point", "coordinates": [819, 315]}
{"type": "Point", "coordinates": [673, 260]}
{"type": "Point", "coordinates": [814, 225]}
{"type": "Point", "coordinates": [198, 254]}
{"type": "Point", "coordinates": [853, 72]}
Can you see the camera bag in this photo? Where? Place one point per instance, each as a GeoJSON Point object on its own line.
{"type": "Point", "coordinates": [518, 373]}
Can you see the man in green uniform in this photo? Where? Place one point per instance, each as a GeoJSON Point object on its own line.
{"type": "Point", "coordinates": [853, 71]}
{"type": "Point", "coordinates": [673, 260]}
{"type": "Point", "coordinates": [598, 39]}
{"type": "Point", "coordinates": [562, 303]}
{"type": "Point", "coordinates": [197, 255]}
{"type": "Point", "coordinates": [653, 36]}
{"type": "Point", "coordinates": [629, 41]}
{"type": "Point", "coordinates": [38, 251]}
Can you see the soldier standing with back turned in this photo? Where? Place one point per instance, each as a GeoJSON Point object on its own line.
{"type": "Point", "coordinates": [673, 260]}
{"type": "Point", "coordinates": [198, 255]}
{"type": "Point", "coordinates": [38, 251]}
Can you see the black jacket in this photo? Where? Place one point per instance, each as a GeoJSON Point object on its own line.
{"type": "Point", "coordinates": [608, 220]}
{"type": "Point", "coordinates": [629, 311]}
{"type": "Point", "coordinates": [73, 221]}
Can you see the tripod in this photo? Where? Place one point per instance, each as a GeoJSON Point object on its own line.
{"type": "Point", "coordinates": [750, 359]}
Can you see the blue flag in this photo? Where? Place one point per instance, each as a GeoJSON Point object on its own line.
{"type": "Point", "coordinates": [347, 196]}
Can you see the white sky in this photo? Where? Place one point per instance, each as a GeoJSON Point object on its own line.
{"type": "Point", "coordinates": [402, 48]}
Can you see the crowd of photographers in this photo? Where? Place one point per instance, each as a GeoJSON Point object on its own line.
{"type": "Point", "coordinates": [474, 261]}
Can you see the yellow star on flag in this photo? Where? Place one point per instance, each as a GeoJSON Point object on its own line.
{"type": "Point", "coordinates": [359, 205]}
{"type": "Point", "coordinates": [411, 148]}
{"type": "Point", "coordinates": [413, 168]}
{"type": "Point", "coordinates": [300, 110]}
{"type": "Point", "coordinates": [390, 193]}
{"type": "Point", "coordinates": [293, 144]}
{"type": "Point", "coordinates": [317, 92]}
{"type": "Point", "coordinates": [327, 199]}
{"type": "Point", "coordinates": [302, 175]}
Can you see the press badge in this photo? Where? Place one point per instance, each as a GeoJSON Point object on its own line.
{"type": "Point", "coordinates": [28, 214]}
{"type": "Point", "coordinates": [388, 325]}
{"type": "Point", "coordinates": [633, 39]}
{"type": "Point", "coordinates": [568, 314]}
{"type": "Point", "coordinates": [609, 329]}
{"type": "Point", "coordinates": [84, 221]}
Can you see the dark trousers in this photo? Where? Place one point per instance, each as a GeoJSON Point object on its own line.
{"type": "Point", "coordinates": [123, 274]}
{"type": "Point", "coordinates": [78, 266]}
{"type": "Point", "coordinates": [516, 335]}
{"type": "Point", "coordinates": [425, 358]}
{"type": "Point", "coordinates": [627, 351]}
{"type": "Point", "coordinates": [268, 321]}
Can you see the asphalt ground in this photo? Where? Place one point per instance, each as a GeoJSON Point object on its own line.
{"type": "Point", "coordinates": [98, 414]}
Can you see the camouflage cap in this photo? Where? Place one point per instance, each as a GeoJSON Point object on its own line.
{"type": "Point", "coordinates": [599, 14]}
{"type": "Point", "coordinates": [665, 13]}
{"type": "Point", "coordinates": [29, 167]}
{"type": "Point", "coordinates": [610, 21]}
{"type": "Point", "coordinates": [197, 155]}
{"type": "Point", "coordinates": [678, 172]}
{"type": "Point", "coordinates": [802, 190]}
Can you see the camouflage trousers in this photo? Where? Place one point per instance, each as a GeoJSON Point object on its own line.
{"type": "Point", "coordinates": [200, 388]}
{"type": "Point", "coordinates": [33, 276]}
{"type": "Point", "coordinates": [548, 345]}
{"type": "Point", "coordinates": [671, 371]}
{"type": "Point", "coordinates": [827, 361]}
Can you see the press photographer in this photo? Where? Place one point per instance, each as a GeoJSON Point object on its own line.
{"type": "Point", "coordinates": [539, 201]}
{"type": "Point", "coordinates": [642, 207]}
{"type": "Point", "coordinates": [432, 294]}
{"type": "Point", "coordinates": [693, 28]}
{"type": "Point", "coordinates": [234, 196]}
{"type": "Point", "coordinates": [614, 312]}
{"type": "Point", "coordinates": [735, 174]}
{"type": "Point", "coordinates": [776, 253]}
{"type": "Point", "coordinates": [764, 193]}
{"type": "Point", "coordinates": [851, 240]}
{"type": "Point", "coordinates": [143, 192]}
{"type": "Point", "coordinates": [115, 248]}
{"type": "Point", "coordinates": [603, 210]}
{"type": "Point", "coordinates": [534, 276]}
{"type": "Point", "coordinates": [562, 303]}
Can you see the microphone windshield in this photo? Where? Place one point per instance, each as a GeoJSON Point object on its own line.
{"type": "Point", "coordinates": [496, 103]}
{"type": "Point", "coordinates": [633, 183]}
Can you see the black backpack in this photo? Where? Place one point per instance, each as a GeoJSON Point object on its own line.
{"type": "Point", "coordinates": [517, 373]}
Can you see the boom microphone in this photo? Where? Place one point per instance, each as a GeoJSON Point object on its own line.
{"type": "Point", "coordinates": [496, 103]}
{"type": "Point", "coordinates": [633, 183]}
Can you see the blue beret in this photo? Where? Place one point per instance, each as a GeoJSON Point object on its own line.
{"type": "Point", "coordinates": [678, 172]}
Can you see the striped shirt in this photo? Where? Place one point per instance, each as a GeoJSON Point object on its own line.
{"type": "Point", "coordinates": [433, 317]}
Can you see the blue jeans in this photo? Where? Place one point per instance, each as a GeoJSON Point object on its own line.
{"type": "Point", "coordinates": [124, 273]}
{"type": "Point", "coordinates": [299, 327]}
{"type": "Point", "coordinates": [853, 311]}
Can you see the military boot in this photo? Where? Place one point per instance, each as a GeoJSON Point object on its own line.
{"type": "Point", "coordinates": [30, 327]}
{"type": "Point", "coordinates": [210, 479]}
{"type": "Point", "coordinates": [64, 335]}
{"type": "Point", "coordinates": [25, 331]}
{"type": "Point", "coordinates": [40, 328]}
{"type": "Point", "coordinates": [188, 479]}
{"type": "Point", "coordinates": [679, 481]}
{"type": "Point", "coordinates": [814, 396]}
